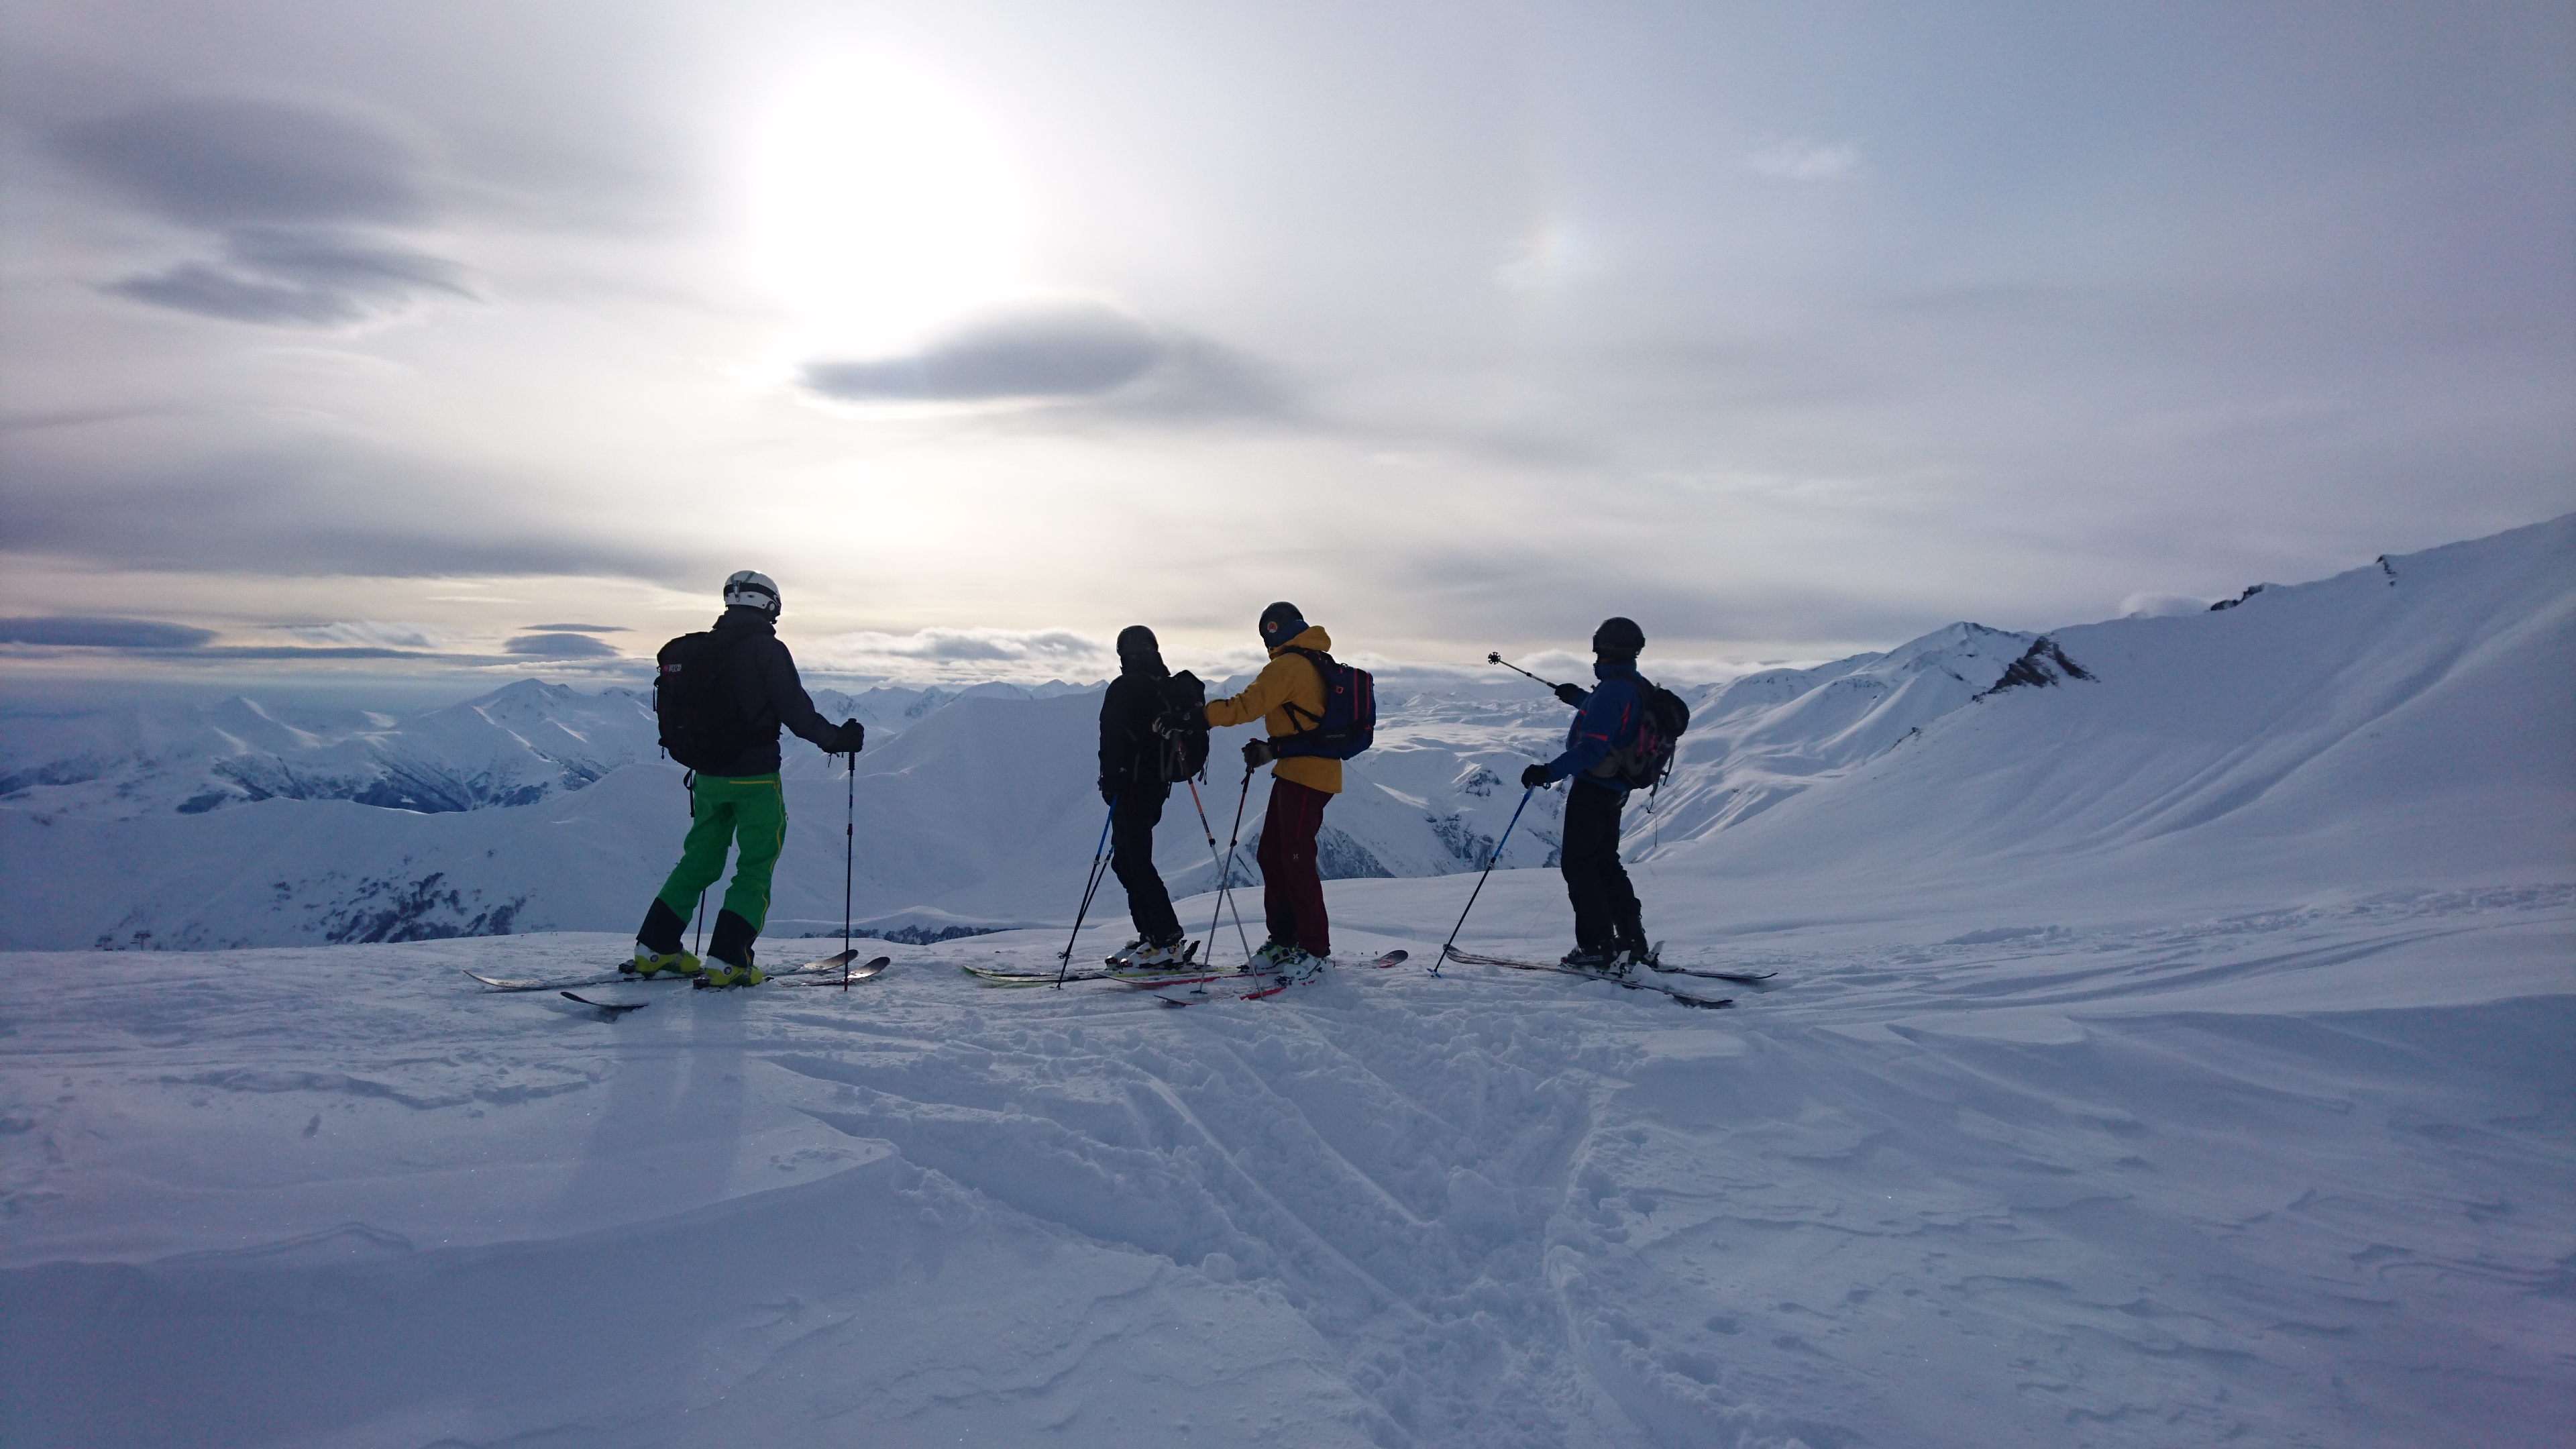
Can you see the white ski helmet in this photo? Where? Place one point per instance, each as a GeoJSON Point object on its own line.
{"type": "Point", "coordinates": [754, 590]}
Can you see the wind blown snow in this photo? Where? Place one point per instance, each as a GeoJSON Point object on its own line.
{"type": "Point", "coordinates": [2174, 1051]}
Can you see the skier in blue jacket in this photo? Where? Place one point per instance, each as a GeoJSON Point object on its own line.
{"type": "Point", "coordinates": [1609, 926]}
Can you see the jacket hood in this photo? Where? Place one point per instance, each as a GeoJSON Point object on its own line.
{"type": "Point", "coordinates": [1313, 638]}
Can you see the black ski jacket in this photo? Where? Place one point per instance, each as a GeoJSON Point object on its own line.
{"type": "Point", "coordinates": [1129, 751]}
{"type": "Point", "coordinates": [767, 691]}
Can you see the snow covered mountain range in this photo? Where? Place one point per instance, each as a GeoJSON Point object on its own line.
{"type": "Point", "coordinates": [540, 808]}
{"type": "Point", "coordinates": [515, 746]}
{"type": "Point", "coordinates": [2168, 1043]}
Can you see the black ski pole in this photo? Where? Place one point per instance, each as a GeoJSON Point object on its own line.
{"type": "Point", "coordinates": [849, 865]}
{"type": "Point", "coordinates": [1226, 873]}
{"type": "Point", "coordinates": [1225, 886]}
{"type": "Point", "coordinates": [1497, 658]}
{"type": "Point", "coordinates": [1480, 879]}
{"type": "Point", "coordinates": [1091, 887]}
{"type": "Point", "coordinates": [689, 781]}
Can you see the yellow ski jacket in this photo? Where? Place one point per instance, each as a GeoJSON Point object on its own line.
{"type": "Point", "coordinates": [1285, 679]}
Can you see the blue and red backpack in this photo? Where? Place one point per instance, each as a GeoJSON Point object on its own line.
{"type": "Point", "coordinates": [1348, 724]}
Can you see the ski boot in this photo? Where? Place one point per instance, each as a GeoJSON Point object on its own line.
{"type": "Point", "coordinates": [1296, 966]}
{"type": "Point", "coordinates": [1271, 954]}
{"type": "Point", "coordinates": [729, 956]}
{"type": "Point", "coordinates": [1143, 955]}
{"type": "Point", "coordinates": [1595, 960]}
{"type": "Point", "coordinates": [649, 963]}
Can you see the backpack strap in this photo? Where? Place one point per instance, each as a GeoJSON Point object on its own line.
{"type": "Point", "coordinates": [1322, 661]}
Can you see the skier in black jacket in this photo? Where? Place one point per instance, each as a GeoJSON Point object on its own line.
{"type": "Point", "coordinates": [743, 802]}
{"type": "Point", "coordinates": [1132, 784]}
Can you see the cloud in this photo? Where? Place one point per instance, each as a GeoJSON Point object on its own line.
{"type": "Point", "coordinates": [1803, 158]}
{"type": "Point", "coordinates": [1075, 349]}
{"type": "Point", "coordinates": [371, 633]}
{"type": "Point", "coordinates": [578, 628]}
{"type": "Point", "coordinates": [2161, 606]}
{"type": "Point", "coordinates": [1019, 650]}
{"type": "Point", "coordinates": [94, 633]}
{"type": "Point", "coordinates": [298, 201]}
{"type": "Point", "coordinates": [299, 278]}
{"type": "Point", "coordinates": [288, 510]}
{"type": "Point", "coordinates": [560, 646]}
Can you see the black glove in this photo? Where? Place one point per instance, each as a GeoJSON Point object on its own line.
{"type": "Point", "coordinates": [1571, 695]}
{"type": "Point", "coordinates": [1257, 753]}
{"type": "Point", "coordinates": [1108, 791]}
{"type": "Point", "coordinates": [1535, 775]}
{"type": "Point", "coordinates": [848, 739]}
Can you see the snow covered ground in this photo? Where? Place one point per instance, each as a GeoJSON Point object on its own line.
{"type": "Point", "coordinates": [2181, 1052]}
{"type": "Point", "coordinates": [2297, 1178]}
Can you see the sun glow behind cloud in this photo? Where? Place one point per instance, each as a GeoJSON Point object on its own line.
{"type": "Point", "coordinates": [883, 202]}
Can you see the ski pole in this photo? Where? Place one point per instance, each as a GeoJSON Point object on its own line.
{"type": "Point", "coordinates": [1225, 886]}
{"type": "Point", "coordinates": [1480, 879]}
{"type": "Point", "coordinates": [849, 864]}
{"type": "Point", "coordinates": [1497, 658]}
{"type": "Point", "coordinates": [1225, 873]}
{"type": "Point", "coordinates": [1090, 888]}
{"type": "Point", "coordinates": [689, 782]}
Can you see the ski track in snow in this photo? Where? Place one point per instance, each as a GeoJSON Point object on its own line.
{"type": "Point", "coordinates": [2297, 1177]}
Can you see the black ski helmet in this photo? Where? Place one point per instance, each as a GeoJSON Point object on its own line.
{"type": "Point", "coordinates": [1280, 623]}
{"type": "Point", "coordinates": [1619, 638]}
{"type": "Point", "coordinates": [1138, 649]}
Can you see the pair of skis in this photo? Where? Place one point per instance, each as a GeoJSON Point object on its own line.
{"type": "Point", "coordinates": [838, 970]}
{"type": "Point", "coordinates": [1632, 983]}
{"type": "Point", "coordinates": [1111, 968]}
{"type": "Point", "coordinates": [1199, 991]}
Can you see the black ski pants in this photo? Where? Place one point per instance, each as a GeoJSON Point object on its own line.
{"type": "Point", "coordinates": [1605, 905]}
{"type": "Point", "coordinates": [1131, 855]}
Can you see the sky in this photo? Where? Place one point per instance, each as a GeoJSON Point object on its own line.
{"type": "Point", "coordinates": [437, 343]}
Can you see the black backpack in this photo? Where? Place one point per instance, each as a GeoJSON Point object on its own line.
{"type": "Point", "coordinates": [1348, 724]}
{"type": "Point", "coordinates": [1647, 757]}
{"type": "Point", "coordinates": [1180, 729]}
{"type": "Point", "coordinates": [702, 727]}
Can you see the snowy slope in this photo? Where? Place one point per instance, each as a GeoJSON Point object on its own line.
{"type": "Point", "coordinates": [2177, 1053]}
{"type": "Point", "coordinates": [2296, 1179]}
{"type": "Point", "coordinates": [2408, 722]}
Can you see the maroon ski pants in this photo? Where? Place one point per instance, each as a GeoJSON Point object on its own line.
{"type": "Point", "coordinates": [1292, 894]}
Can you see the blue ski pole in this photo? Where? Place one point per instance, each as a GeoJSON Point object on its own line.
{"type": "Point", "coordinates": [1480, 881]}
{"type": "Point", "coordinates": [1090, 887]}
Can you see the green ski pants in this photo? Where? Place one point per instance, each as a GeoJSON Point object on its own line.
{"type": "Point", "coordinates": [752, 810]}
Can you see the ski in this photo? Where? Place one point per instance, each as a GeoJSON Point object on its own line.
{"type": "Point", "coordinates": [1277, 983]}
{"type": "Point", "coordinates": [1186, 961]}
{"type": "Point", "coordinates": [611, 1010]}
{"type": "Point", "coordinates": [502, 983]}
{"type": "Point", "coordinates": [1005, 976]}
{"type": "Point", "coordinates": [837, 974]}
{"type": "Point", "coordinates": [1741, 978]}
{"type": "Point", "coordinates": [1470, 958]}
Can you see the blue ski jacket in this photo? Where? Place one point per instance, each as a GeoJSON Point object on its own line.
{"type": "Point", "coordinates": [1609, 716]}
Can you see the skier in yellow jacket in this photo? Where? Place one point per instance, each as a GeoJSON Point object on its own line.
{"type": "Point", "coordinates": [1288, 699]}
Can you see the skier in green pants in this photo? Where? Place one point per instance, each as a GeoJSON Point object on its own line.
{"type": "Point", "coordinates": [721, 697]}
